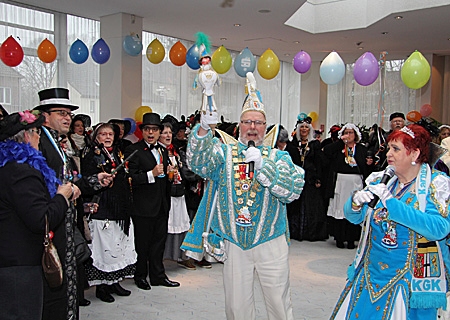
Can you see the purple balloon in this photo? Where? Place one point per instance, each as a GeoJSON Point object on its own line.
{"type": "Point", "coordinates": [302, 62]}
{"type": "Point", "coordinates": [366, 69]}
{"type": "Point", "coordinates": [100, 51]}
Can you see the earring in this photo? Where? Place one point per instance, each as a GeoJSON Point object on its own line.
{"type": "Point", "coordinates": [413, 163]}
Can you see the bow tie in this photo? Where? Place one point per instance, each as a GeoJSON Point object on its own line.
{"type": "Point", "coordinates": [154, 146]}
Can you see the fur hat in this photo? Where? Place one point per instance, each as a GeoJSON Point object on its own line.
{"type": "Point", "coordinates": [397, 115]}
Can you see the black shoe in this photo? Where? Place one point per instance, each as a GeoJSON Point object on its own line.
{"type": "Point", "coordinates": [340, 244]}
{"type": "Point", "coordinates": [351, 245]}
{"type": "Point", "coordinates": [102, 293]}
{"type": "Point", "coordinates": [119, 290]}
{"type": "Point", "coordinates": [142, 284]}
{"type": "Point", "coordinates": [84, 303]}
{"type": "Point", "coordinates": [166, 283]}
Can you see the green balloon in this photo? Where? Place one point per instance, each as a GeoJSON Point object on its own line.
{"type": "Point", "coordinates": [416, 71]}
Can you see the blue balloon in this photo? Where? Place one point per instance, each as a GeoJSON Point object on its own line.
{"type": "Point", "coordinates": [100, 51]}
{"type": "Point", "coordinates": [78, 52]}
{"type": "Point", "coordinates": [133, 126]}
{"type": "Point", "coordinates": [244, 62]}
{"type": "Point", "coordinates": [192, 57]}
{"type": "Point", "coordinates": [132, 45]}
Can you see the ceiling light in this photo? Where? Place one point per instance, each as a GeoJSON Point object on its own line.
{"type": "Point", "coordinates": [264, 11]}
{"type": "Point", "coordinates": [360, 48]}
{"type": "Point", "coordinates": [398, 17]}
{"type": "Point", "coordinates": [287, 55]}
{"type": "Point", "coordinates": [385, 32]}
{"type": "Point", "coordinates": [296, 42]}
{"type": "Point", "coordinates": [223, 39]}
{"type": "Point", "coordinates": [237, 24]}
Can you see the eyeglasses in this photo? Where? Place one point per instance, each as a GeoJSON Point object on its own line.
{"type": "Point", "coordinates": [37, 130]}
{"type": "Point", "coordinates": [62, 113]}
{"type": "Point", "coordinates": [151, 129]}
{"type": "Point", "coordinates": [257, 123]}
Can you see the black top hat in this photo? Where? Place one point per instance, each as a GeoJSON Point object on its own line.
{"type": "Point", "coordinates": [151, 119]}
{"type": "Point", "coordinates": [54, 97]}
{"type": "Point", "coordinates": [396, 115]}
{"type": "Point", "coordinates": [18, 121]}
{"type": "Point", "coordinates": [126, 124]}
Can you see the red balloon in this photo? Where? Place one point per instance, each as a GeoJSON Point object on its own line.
{"type": "Point", "coordinates": [413, 116]}
{"type": "Point", "coordinates": [11, 53]}
{"type": "Point", "coordinates": [426, 110]}
{"type": "Point", "coordinates": [138, 132]}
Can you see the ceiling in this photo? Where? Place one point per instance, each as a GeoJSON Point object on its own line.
{"type": "Point", "coordinates": [349, 27]}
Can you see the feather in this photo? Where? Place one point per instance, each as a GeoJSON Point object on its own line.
{"type": "Point", "coordinates": [203, 39]}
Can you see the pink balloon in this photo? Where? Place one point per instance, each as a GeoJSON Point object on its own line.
{"type": "Point", "coordinates": [366, 69]}
{"type": "Point", "coordinates": [425, 110]}
{"type": "Point", "coordinates": [302, 62]}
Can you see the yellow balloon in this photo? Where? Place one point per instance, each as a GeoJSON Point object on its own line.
{"type": "Point", "coordinates": [313, 115]}
{"type": "Point", "coordinates": [155, 52]}
{"type": "Point", "coordinates": [139, 114]}
{"type": "Point", "coordinates": [221, 60]}
{"type": "Point", "coordinates": [268, 65]}
{"type": "Point", "coordinates": [416, 71]}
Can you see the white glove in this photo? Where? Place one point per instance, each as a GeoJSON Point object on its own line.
{"type": "Point", "coordinates": [207, 119]}
{"type": "Point", "coordinates": [381, 191]}
{"type": "Point", "coordinates": [362, 196]}
{"type": "Point", "coordinates": [253, 154]}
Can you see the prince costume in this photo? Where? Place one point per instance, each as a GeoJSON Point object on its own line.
{"type": "Point", "coordinates": [250, 216]}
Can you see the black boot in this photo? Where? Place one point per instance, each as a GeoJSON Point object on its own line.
{"type": "Point", "coordinates": [119, 290]}
{"type": "Point", "coordinates": [103, 294]}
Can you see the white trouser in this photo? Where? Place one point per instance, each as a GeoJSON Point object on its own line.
{"type": "Point", "coordinates": [270, 262]}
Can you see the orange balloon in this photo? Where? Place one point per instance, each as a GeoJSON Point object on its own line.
{"type": "Point", "coordinates": [177, 54]}
{"type": "Point", "coordinates": [47, 51]}
{"type": "Point", "coordinates": [413, 116]}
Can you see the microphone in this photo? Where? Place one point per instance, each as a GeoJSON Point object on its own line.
{"type": "Point", "coordinates": [388, 174]}
{"type": "Point", "coordinates": [251, 164]}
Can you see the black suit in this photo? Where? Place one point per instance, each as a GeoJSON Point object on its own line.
{"type": "Point", "coordinates": [150, 212]}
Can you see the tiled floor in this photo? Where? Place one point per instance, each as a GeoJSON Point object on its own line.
{"type": "Point", "coordinates": [318, 272]}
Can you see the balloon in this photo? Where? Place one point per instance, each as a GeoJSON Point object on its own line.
{"type": "Point", "coordinates": [302, 62]}
{"type": "Point", "coordinates": [133, 126]}
{"type": "Point", "coordinates": [268, 65]}
{"type": "Point", "coordinates": [366, 69]}
{"type": "Point", "coordinates": [192, 57]}
{"type": "Point", "coordinates": [78, 52]}
{"type": "Point", "coordinates": [155, 52]}
{"type": "Point", "coordinates": [332, 69]}
{"type": "Point", "coordinates": [47, 51]}
{"type": "Point", "coordinates": [11, 52]}
{"type": "Point", "coordinates": [132, 45]}
{"type": "Point", "coordinates": [313, 115]}
{"type": "Point", "coordinates": [413, 116]}
{"type": "Point", "coordinates": [221, 60]}
{"type": "Point", "coordinates": [139, 114]}
{"type": "Point", "coordinates": [416, 71]}
{"type": "Point", "coordinates": [138, 132]}
{"type": "Point", "coordinates": [177, 54]}
{"type": "Point", "coordinates": [244, 62]}
{"type": "Point", "coordinates": [425, 110]}
{"type": "Point", "coordinates": [100, 51]}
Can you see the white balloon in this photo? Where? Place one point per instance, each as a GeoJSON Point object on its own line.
{"type": "Point", "coordinates": [332, 69]}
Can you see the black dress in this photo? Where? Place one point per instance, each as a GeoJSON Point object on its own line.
{"type": "Point", "coordinates": [307, 214]}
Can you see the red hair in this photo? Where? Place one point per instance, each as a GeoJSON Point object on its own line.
{"type": "Point", "coordinates": [421, 141]}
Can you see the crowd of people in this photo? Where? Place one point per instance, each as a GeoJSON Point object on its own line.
{"type": "Point", "coordinates": [256, 187]}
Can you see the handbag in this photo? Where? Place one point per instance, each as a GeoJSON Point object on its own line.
{"type": "Point", "coordinates": [82, 251]}
{"type": "Point", "coordinates": [51, 264]}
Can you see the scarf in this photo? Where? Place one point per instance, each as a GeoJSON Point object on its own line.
{"type": "Point", "coordinates": [79, 140]}
{"type": "Point", "coordinates": [12, 151]}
